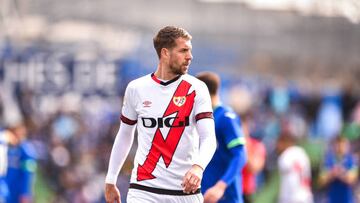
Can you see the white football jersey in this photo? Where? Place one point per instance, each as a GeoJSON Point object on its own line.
{"type": "Point", "coordinates": [295, 176]}
{"type": "Point", "coordinates": [3, 154]}
{"type": "Point", "coordinates": [165, 114]}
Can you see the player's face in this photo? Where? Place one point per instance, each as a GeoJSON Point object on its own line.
{"type": "Point", "coordinates": [180, 56]}
{"type": "Point", "coordinates": [341, 147]}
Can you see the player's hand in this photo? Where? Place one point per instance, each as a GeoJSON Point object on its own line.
{"type": "Point", "coordinates": [337, 171]}
{"type": "Point", "coordinates": [112, 194]}
{"type": "Point", "coordinates": [214, 194]}
{"type": "Point", "coordinates": [192, 179]}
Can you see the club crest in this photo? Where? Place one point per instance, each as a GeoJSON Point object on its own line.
{"type": "Point", "coordinates": [179, 101]}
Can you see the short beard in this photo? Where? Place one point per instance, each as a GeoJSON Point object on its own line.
{"type": "Point", "coordinates": [177, 71]}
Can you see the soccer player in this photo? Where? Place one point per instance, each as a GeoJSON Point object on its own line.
{"type": "Point", "coordinates": [256, 155]}
{"type": "Point", "coordinates": [222, 178]}
{"type": "Point", "coordinates": [21, 167]}
{"type": "Point", "coordinates": [176, 133]}
{"type": "Point", "coordinates": [340, 172]}
{"type": "Point", "coordinates": [294, 171]}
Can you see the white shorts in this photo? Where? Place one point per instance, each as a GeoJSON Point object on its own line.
{"type": "Point", "coordinates": [141, 196]}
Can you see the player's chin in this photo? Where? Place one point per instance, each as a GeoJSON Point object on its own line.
{"type": "Point", "coordinates": [185, 69]}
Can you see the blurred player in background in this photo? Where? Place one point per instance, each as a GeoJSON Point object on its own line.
{"type": "Point", "coordinates": [222, 180]}
{"type": "Point", "coordinates": [294, 169]}
{"type": "Point", "coordinates": [256, 153]}
{"type": "Point", "coordinates": [340, 172]}
{"type": "Point", "coordinates": [176, 133]}
{"type": "Point", "coordinates": [21, 167]}
{"type": "Point", "coordinates": [6, 138]}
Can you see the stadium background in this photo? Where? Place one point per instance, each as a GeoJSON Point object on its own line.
{"type": "Point", "coordinates": [64, 66]}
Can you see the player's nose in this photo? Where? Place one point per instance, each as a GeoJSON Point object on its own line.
{"type": "Point", "coordinates": [189, 56]}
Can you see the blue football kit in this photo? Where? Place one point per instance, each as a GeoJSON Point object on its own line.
{"type": "Point", "coordinates": [339, 191]}
{"type": "Point", "coordinates": [229, 157]}
{"type": "Point", "coordinates": [21, 168]}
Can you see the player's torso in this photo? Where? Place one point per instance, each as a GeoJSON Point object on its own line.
{"type": "Point", "coordinates": [21, 158]}
{"type": "Point", "coordinates": [295, 175]}
{"type": "Point", "coordinates": [219, 130]}
{"type": "Point", "coordinates": [222, 154]}
{"type": "Point", "coordinates": [166, 132]}
{"type": "Point", "coordinates": [337, 186]}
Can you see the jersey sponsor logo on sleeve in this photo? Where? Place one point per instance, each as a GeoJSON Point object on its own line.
{"type": "Point", "coordinates": [165, 148]}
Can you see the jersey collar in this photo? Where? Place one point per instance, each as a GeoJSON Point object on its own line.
{"type": "Point", "coordinates": [164, 83]}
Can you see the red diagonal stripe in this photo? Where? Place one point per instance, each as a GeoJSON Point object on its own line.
{"type": "Point", "coordinates": [166, 148]}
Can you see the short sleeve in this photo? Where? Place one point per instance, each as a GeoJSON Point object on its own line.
{"type": "Point", "coordinates": [128, 112]}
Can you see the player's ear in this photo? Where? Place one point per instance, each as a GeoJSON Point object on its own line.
{"type": "Point", "coordinates": [165, 53]}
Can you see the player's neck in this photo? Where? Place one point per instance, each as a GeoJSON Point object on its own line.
{"type": "Point", "coordinates": [164, 74]}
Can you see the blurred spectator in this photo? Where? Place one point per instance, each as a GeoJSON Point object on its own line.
{"type": "Point", "coordinates": [340, 172]}
{"type": "Point", "coordinates": [256, 153]}
{"type": "Point", "coordinates": [295, 172]}
{"type": "Point", "coordinates": [348, 100]}
{"type": "Point", "coordinates": [21, 167]}
{"type": "Point", "coordinates": [329, 120]}
{"type": "Point", "coordinates": [279, 99]}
